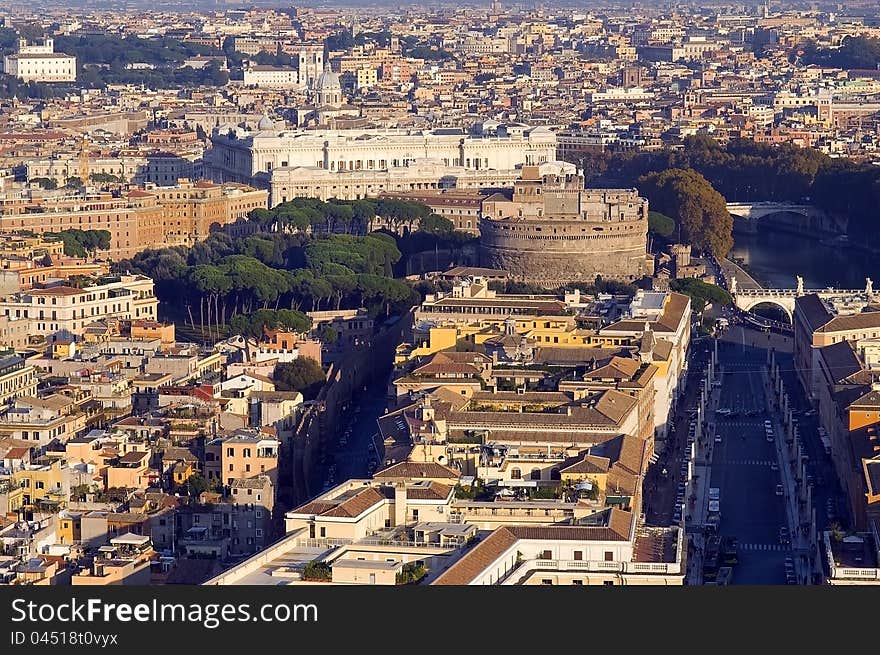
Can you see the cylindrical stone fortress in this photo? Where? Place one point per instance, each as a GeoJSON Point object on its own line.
{"type": "Point", "coordinates": [551, 232]}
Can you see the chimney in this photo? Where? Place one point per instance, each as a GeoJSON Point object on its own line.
{"type": "Point", "coordinates": [400, 503]}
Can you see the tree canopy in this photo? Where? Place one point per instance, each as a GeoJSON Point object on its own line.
{"type": "Point", "coordinates": [696, 206]}
{"type": "Point", "coordinates": [302, 374]}
{"type": "Point", "coordinates": [268, 279]}
{"type": "Point", "coordinates": [700, 293]}
{"type": "Point", "coordinates": [82, 243]}
{"type": "Point", "coordinates": [661, 224]}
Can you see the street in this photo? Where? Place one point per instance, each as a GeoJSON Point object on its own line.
{"type": "Point", "coordinates": [350, 451]}
{"type": "Point", "coordinates": [745, 467]}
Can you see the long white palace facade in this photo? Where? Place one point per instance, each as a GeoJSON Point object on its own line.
{"type": "Point", "coordinates": [351, 164]}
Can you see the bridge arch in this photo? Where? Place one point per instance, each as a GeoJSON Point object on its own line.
{"type": "Point", "coordinates": [748, 303]}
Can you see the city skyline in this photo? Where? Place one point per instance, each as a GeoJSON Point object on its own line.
{"type": "Point", "coordinates": [497, 293]}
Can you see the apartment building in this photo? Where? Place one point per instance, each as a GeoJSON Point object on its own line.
{"type": "Point", "coordinates": [192, 210]}
{"type": "Point", "coordinates": [822, 322]}
{"type": "Point", "coordinates": [43, 420]}
{"type": "Point", "coordinates": [55, 308]}
{"type": "Point", "coordinates": [152, 218]}
{"type": "Point", "coordinates": [17, 379]}
{"type": "Point", "coordinates": [134, 221]}
{"type": "Point", "coordinates": [606, 550]}
{"type": "Point", "coordinates": [240, 456]}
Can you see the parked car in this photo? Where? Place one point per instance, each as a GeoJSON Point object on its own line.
{"type": "Point", "coordinates": [784, 536]}
{"type": "Point", "coordinates": [779, 490]}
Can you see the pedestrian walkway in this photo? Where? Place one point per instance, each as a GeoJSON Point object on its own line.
{"type": "Point", "coordinates": [774, 547]}
{"type": "Point", "coordinates": [757, 423]}
{"type": "Point", "coordinates": [746, 462]}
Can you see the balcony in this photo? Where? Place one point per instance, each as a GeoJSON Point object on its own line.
{"type": "Point", "coordinates": [519, 575]}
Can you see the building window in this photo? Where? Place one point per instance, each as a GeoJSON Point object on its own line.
{"type": "Point", "coordinates": [609, 556]}
{"type": "Point", "coordinates": [546, 581]}
{"type": "Point", "coordinates": [547, 554]}
{"type": "Point", "coordinates": [515, 474]}
{"type": "Point", "coordinates": [536, 474]}
{"type": "Point", "coordinates": [323, 532]}
{"type": "Point", "coordinates": [579, 583]}
{"type": "Point", "coordinates": [578, 555]}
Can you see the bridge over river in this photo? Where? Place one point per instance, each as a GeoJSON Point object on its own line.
{"type": "Point", "coordinates": [797, 216]}
{"type": "Point", "coordinates": [749, 298]}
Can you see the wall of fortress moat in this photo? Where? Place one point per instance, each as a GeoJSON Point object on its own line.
{"type": "Point", "coordinates": [552, 252]}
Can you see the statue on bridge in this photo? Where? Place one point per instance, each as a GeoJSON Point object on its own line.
{"type": "Point", "coordinates": [869, 287]}
{"type": "Point", "coordinates": [733, 284]}
{"type": "Point", "coordinates": [800, 285]}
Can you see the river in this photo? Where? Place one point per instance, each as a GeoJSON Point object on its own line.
{"type": "Point", "coordinates": [775, 258]}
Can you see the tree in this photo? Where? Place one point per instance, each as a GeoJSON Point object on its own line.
{"type": "Point", "coordinates": [697, 207]}
{"type": "Point", "coordinates": [661, 224]}
{"type": "Point", "coordinates": [436, 224]}
{"type": "Point", "coordinates": [104, 178]}
{"type": "Point", "coordinates": [317, 571]}
{"type": "Point", "coordinates": [195, 485]}
{"type": "Point", "coordinates": [700, 292]}
{"type": "Point", "coordinates": [45, 182]}
{"type": "Point", "coordinates": [411, 573]}
{"type": "Point", "coordinates": [329, 335]}
{"type": "Point", "coordinates": [74, 182]}
{"type": "Point", "coordinates": [82, 243]}
{"type": "Point", "coordinates": [302, 374]}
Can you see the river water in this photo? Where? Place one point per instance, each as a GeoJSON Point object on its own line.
{"type": "Point", "coordinates": [775, 258]}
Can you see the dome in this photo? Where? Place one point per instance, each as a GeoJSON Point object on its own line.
{"type": "Point", "coordinates": [266, 123]}
{"type": "Point", "coordinates": [328, 81]}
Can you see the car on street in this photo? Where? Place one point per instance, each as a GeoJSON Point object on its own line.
{"type": "Point", "coordinates": [774, 466]}
{"type": "Point", "coordinates": [784, 536]}
{"type": "Point", "coordinates": [779, 490]}
{"type": "Point", "coordinates": [717, 438]}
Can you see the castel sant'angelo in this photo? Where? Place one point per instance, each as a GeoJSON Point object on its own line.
{"type": "Point", "coordinates": [551, 230]}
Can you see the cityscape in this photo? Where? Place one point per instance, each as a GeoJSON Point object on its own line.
{"type": "Point", "coordinates": [484, 293]}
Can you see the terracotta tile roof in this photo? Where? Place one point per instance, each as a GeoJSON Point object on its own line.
{"type": "Point", "coordinates": [418, 470]}
{"type": "Point", "coordinates": [589, 464]}
{"type": "Point", "coordinates": [657, 545]}
{"type": "Point", "coordinates": [313, 507]}
{"type": "Point", "coordinates": [632, 454]}
{"type": "Point", "coordinates": [618, 528]}
{"type": "Point", "coordinates": [811, 308]}
{"type": "Point", "coordinates": [572, 355]}
{"type": "Point", "coordinates": [861, 321]}
{"type": "Point", "coordinates": [870, 400]}
{"type": "Point", "coordinates": [433, 491]}
{"type": "Point", "coordinates": [617, 368]}
{"type": "Point", "coordinates": [619, 523]}
{"type": "Point", "coordinates": [55, 291]}
{"type": "Point", "coordinates": [452, 363]}
{"type": "Point", "coordinates": [673, 312]}
{"type": "Point", "coordinates": [662, 350]}
{"type": "Point", "coordinates": [615, 405]}
{"type": "Point", "coordinates": [478, 558]}
{"type": "Point", "coordinates": [16, 453]}
{"type": "Point", "coordinates": [356, 504]}
{"type": "Point", "coordinates": [841, 360]}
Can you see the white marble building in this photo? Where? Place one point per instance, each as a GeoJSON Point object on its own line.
{"type": "Point", "coordinates": [249, 156]}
